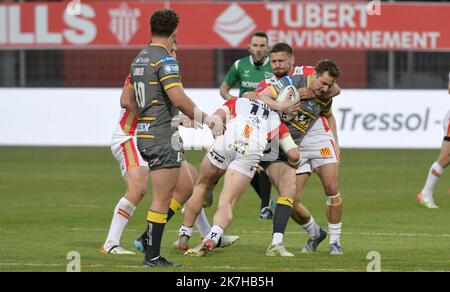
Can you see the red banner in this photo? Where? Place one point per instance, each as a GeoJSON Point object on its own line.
{"type": "Point", "coordinates": [308, 25]}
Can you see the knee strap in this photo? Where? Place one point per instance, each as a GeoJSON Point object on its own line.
{"type": "Point", "coordinates": [335, 200]}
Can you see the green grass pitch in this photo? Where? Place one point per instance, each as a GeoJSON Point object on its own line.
{"type": "Point", "coordinates": [57, 200]}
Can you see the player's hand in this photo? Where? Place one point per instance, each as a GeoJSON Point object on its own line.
{"type": "Point", "coordinates": [259, 168]}
{"type": "Point", "coordinates": [250, 94]}
{"type": "Point", "coordinates": [306, 93]}
{"type": "Point", "coordinates": [289, 106]}
{"type": "Point", "coordinates": [185, 121]}
{"type": "Point", "coordinates": [215, 124]}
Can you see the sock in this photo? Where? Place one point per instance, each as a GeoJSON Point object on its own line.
{"type": "Point", "coordinates": [282, 213]}
{"type": "Point", "coordinates": [312, 228]}
{"type": "Point", "coordinates": [202, 224]}
{"type": "Point", "coordinates": [335, 232]}
{"type": "Point", "coordinates": [264, 189]}
{"type": "Point", "coordinates": [255, 183]}
{"type": "Point", "coordinates": [184, 230]}
{"type": "Point", "coordinates": [155, 229]}
{"type": "Point", "coordinates": [277, 238]}
{"type": "Point", "coordinates": [432, 179]}
{"type": "Point", "coordinates": [122, 214]}
{"type": "Point", "coordinates": [215, 234]}
{"type": "Point", "coordinates": [175, 206]}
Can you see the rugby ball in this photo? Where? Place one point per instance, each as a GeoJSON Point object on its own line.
{"type": "Point", "coordinates": [288, 93]}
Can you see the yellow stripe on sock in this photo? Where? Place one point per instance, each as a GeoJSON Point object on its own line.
{"type": "Point", "coordinates": [285, 201]}
{"type": "Point", "coordinates": [175, 205]}
{"type": "Point", "coordinates": [156, 217]}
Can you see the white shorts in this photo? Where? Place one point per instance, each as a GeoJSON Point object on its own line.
{"type": "Point", "coordinates": [316, 149]}
{"type": "Point", "coordinates": [127, 154]}
{"type": "Point", "coordinates": [230, 159]}
{"type": "Point", "coordinates": [446, 123]}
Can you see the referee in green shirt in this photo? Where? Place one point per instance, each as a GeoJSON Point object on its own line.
{"type": "Point", "coordinates": [248, 72]}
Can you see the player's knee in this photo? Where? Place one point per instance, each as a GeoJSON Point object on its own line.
{"type": "Point", "coordinates": [142, 190]}
{"type": "Point", "coordinates": [331, 188]}
{"type": "Point", "coordinates": [136, 190]}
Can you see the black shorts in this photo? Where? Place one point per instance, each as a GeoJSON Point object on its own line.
{"type": "Point", "coordinates": [281, 158]}
{"type": "Point", "coordinates": [166, 155]}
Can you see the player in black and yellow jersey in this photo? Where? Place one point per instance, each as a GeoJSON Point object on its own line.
{"type": "Point", "coordinates": [155, 77]}
{"type": "Point", "coordinates": [302, 122]}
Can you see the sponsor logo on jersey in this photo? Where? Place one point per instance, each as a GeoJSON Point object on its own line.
{"type": "Point", "coordinates": [143, 127]}
{"type": "Point", "coordinates": [138, 71]}
{"type": "Point", "coordinates": [282, 83]}
{"type": "Point", "coordinates": [166, 59]}
{"type": "Point", "coordinates": [249, 84]}
{"type": "Point", "coordinates": [142, 60]}
{"type": "Point", "coordinates": [247, 131]}
{"type": "Point", "coordinates": [268, 75]}
{"type": "Point", "coordinates": [171, 69]}
{"type": "Point", "coordinates": [124, 22]}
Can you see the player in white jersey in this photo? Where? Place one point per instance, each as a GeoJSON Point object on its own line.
{"type": "Point", "coordinates": [235, 155]}
{"type": "Point", "coordinates": [425, 196]}
{"type": "Point", "coordinates": [134, 172]}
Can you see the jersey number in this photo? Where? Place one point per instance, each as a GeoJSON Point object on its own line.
{"type": "Point", "coordinates": [255, 109]}
{"type": "Point", "coordinates": [139, 92]}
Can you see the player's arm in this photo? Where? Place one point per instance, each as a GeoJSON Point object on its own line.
{"type": "Point", "coordinates": [306, 93]}
{"type": "Point", "coordinates": [250, 95]}
{"type": "Point", "coordinates": [128, 101]}
{"type": "Point", "coordinates": [332, 124]}
{"type": "Point", "coordinates": [127, 98]}
{"type": "Point", "coordinates": [229, 81]}
{"type": "Point", "coordinates": [254, 94]}
{"type": "Point", "coordinates": [269, 95]}
{"type": "Point", "coordinates": [184, 103]}
{"type": "Point", "coordinates": [225, 91]}
{"type": "Point", "coordinates": [225, 113]}
{"type": "Point", "coordinates": [168, 74]}
{"type": "Point", "coordinates": [286, 143]}
{"type": "Point", "coordinates": [334, 90]}
{"type": "Point", "coordinates": [288, 146]}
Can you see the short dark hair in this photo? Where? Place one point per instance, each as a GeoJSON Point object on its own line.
{"type": "Point", "coordinates": [328, 66]}
{"type": "Point", "coordinates": [260, 34]}
{"type": "Point", "coordinates": [163, 22]}
{"type": "Point", "coordinates": [282, 47]}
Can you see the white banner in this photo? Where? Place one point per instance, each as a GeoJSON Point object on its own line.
{"type": "Point", "coordinates": [88, 117]}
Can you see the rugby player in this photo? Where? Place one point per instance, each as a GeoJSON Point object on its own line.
{"type": "Point", "coordinates": [248, 72]}
{"type": "Point", "coordinates": [425, 197]}
{"type": "Point", "coordinates": [320, 148]}
{"type": "Point", "coordinates": [155, 77]}
{"type": "Point", "coordinates": [235, 155]}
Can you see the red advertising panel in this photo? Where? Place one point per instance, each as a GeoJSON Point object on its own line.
{"type": "Point", "coordinates": [309, 25]}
